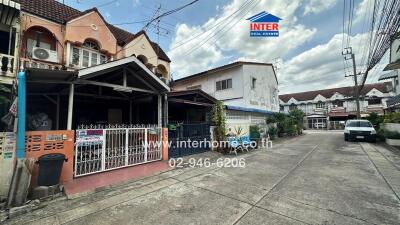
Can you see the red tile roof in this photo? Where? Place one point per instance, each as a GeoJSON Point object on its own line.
{"type": "Point", "coordinates": [60, 13]}
{"type": "Point", "coordinates": [327, 93]}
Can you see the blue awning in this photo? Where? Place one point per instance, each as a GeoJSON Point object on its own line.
{"type": "Point", "coordinates": [245, 109]}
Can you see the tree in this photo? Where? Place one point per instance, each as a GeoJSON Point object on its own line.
{"type": "Point", "coordinates": [218, 117]}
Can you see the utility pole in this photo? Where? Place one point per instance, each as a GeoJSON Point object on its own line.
{"type": "Point", "coordinates": [348, 54]}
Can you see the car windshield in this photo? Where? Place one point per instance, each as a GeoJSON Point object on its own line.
{"type": "Point", "coordinates": [359, 124]}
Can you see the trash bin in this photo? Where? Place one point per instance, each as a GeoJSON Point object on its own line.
{"type": "Point", "coordinates": [50, 166]}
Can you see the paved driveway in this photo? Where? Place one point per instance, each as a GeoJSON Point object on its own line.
{"type": "Point", "coordinates": [313, 179]}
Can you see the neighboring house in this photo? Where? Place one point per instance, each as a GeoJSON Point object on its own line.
{"type": "Point", "coordinates": [56, 36]}
{"type": "Point", "coordinates": [337, 104]}
{"type": "Point", "coordinates": [393, 104]}
{"type": "Point", "coordinates": [249, 91]}
{"type": "Point", "coordinates": [9, 40]}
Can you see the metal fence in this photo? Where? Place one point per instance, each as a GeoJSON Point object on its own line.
{"type": "Point", "coordinates": [98, 150]}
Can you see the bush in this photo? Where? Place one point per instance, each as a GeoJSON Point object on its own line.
{"type": "Point", "coordinates": [375, 120]}
{"type": "Point", "coordinates": [392, 118]}
{"type": "Point", "coordinates": [272, 131]}
{"type": "Point", "coordinates": [255, 132]}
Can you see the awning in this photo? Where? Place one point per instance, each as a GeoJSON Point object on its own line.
{"type": "Point", "coordinates": [245, 109]}
{"type": "Point", "coordinates": [9, 11]}
{"type": "Point", "coordinates": [392, 66]}
{"type": "Point", "coordinates": [338, 114]}
{"type": "Point", "coordinates": [390, 75]}
{"type": "Point", "coordinates": [45, 80]}
{"type": "Point", "coordinates": [192, 97]}
{"type": "Point", "coordinates": [394, 101]}
{"type": "Point", "coordinates": [132, 64]}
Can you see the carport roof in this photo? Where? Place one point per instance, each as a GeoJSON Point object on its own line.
{"type": "Point", "coordinates": [131, 63]}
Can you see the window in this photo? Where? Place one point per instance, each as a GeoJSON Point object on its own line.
{"type": "Point", "coordinates": [281, 108]}
{"type": "Point", "coordinates": [292, 106]}
{"type": "Point", "coordinates": [253, 83]}
{"type": "Point", "coordinates": [374, 101]}
{"type": "Point", "coordinates": [84, 57]}
{"type": "Point", "coordinates": [320, 105]}
{"type": "Point", "coordinates": [223, 84]}
{"type": "Point", "coordinates": [338, 103]}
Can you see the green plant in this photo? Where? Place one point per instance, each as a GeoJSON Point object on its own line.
{"type": "Point", "coordinates": [218, 118]}
{"type": "Point", "coordinates": [272, 131]}
{"type": "Point", "coordinates": [392, 117]}
{"type": "Point", "coordinates": [3, 91]}
{"type": "Point", "coordinates": [254, 132]}
{"type": "Point", "coordinates": [238, 131]}
{"type": "Point", "coordinates": [375, 120]}
{"type": "Point", "coordinates": [281, 120]}
{"type": "Point", "coordinates": [392, 134]}
{"type": "Point", "coordinates": [271, 120]}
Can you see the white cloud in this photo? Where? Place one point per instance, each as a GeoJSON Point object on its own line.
{"type": "Point", "coordinates": [317, 6]}
{"type": "Point", "coordinates": [321, 67]}
{"type": "Point", "coordinates": [236, 41]}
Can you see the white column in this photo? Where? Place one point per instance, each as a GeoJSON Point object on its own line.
{"type": "Point", "coordinates": [68, 56]}
{"type": "Point", "coordinates": [70, 106]}
{"type": "Point", "coordinates": [159, 110]}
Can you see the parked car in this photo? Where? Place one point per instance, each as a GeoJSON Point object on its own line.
{"type": "Point", "coordinates": [359, 129]}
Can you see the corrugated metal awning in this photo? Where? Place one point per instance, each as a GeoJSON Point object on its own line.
{"type": "Point", "coordinates": [9, 11]}
{"type": "Point", "coordinates": [389, 75]}
{"type": "Point", "coordinates": [245, 109]}
{"type": "Point", "coordinates": [392, 66]}
{"type": "Point", "coordinates": [394, 101]}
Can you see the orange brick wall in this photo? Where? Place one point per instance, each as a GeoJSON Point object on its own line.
{"type": "Point", "coordinates": [38, 143]}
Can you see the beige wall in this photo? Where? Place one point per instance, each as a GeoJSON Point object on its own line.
{"type": "Point", "coordinates": [91, 26]}
{"type": "Point", "coordinates": [79, 29]}
{"type": "Point", "coordinates": [29, 21]}
{"type": "Point", "coordinates": [141, 46]}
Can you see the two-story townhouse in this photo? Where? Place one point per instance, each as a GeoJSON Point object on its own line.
{"type": "Point", "coordinates": [249, 91]}
{"type": "Point", "coordinates": [79, 72]}
{"type": "Point", "coordinates": [327, 107]}
{"type": "Point", "coordinates": [56, 37]}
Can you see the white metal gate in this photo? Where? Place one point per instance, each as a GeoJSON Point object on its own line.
{"type": "Point", "coordinates": [98, 150]}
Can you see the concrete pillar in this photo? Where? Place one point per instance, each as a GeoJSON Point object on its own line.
{"type": "Point", "coordinates": [159, 110]}
{"type": "Point", "coordinates": [21, 115]}
{"type": "Point", "coordinates": [70, 106]}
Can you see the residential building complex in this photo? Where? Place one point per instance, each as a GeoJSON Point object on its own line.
{"type": "Point", "coordinates": [337, 104]}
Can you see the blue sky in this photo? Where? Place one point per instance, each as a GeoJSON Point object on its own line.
{"type": "Point", "coordinates": [308, 50]}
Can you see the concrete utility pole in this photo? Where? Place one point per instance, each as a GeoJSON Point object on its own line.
{"type": "Point", "coordinates": [348, 52]}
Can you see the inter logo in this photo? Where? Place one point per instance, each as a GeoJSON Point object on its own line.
{"type": "Point", "coordinates": [264, 25]}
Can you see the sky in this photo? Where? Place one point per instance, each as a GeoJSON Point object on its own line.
{"type": "Point", "coordinates": [211, 33]}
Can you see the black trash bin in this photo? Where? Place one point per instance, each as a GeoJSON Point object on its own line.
{"type": "Point", "coordinates": [50, 166]}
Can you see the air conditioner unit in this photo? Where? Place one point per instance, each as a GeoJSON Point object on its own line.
{"type": "Point", "coordinates": [44, 54]}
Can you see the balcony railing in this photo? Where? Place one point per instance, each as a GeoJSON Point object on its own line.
{"type": "Point", "coordinates": [7, 65]}
{"type": "Point", "coordinates": [32, 63]}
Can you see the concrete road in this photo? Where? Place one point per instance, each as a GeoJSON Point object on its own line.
{"type": "Point", "coordinates": [313, 179]}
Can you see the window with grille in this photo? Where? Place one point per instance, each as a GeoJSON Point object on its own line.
{"type": "Point", "coordinates": [223, 84]}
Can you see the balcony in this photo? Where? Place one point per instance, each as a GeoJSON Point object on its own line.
{"type": "Point", "coordinates": [32, 63]}
{"type": "Point", "coordinates": [7, 65]}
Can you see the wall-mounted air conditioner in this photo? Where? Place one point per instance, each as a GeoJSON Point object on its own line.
{"type": "Point", "coordinates": [44, 54]}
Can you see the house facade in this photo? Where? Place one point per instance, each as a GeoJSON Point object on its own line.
{"type": "Point", "coordinates": [55, 36]}
{"type": "Point", "coordinates": [9, 40]}
{"type": "Point", "coordinates": [248, 90]}
{"type": "Point", "coordinates": [337, 104]}
{"type": "Point", "coordinates": [83, 84]}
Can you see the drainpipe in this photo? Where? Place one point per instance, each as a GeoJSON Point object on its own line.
{"type": "Point", "coordinates": [21, 115]}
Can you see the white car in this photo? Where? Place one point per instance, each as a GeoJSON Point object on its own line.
{"type": "Point", "coordinates": [359, 129]}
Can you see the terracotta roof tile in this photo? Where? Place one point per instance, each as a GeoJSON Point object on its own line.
{"type": "Point", "coordinates": [327, 93]}
{"type": "Point", "coordinates": [59, 13]}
